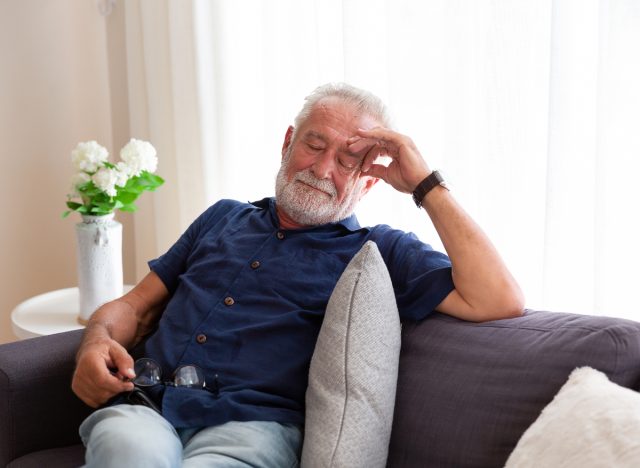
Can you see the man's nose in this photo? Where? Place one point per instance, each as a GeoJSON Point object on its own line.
{"type": "Point", "coordinates": [324, 164]}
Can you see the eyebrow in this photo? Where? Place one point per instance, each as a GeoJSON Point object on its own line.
{"type": "Point", "coordinates": [314, 134]}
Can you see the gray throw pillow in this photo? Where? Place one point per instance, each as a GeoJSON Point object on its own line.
{"type": "Point", "coordinates": [352, 378]}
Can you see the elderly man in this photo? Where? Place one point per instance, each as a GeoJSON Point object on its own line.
{"type": "Point", "coordinates": [241, 295]}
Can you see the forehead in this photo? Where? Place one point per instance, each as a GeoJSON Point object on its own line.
{"type": "Point", "coordinates": [332, 117]}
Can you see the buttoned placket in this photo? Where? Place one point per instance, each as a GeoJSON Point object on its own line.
{"type": "Point", "coordinates": [229, 300]}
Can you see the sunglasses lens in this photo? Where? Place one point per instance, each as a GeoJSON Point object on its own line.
{"type": "Point", "coordinates": [189, 376]}
{"type": "Point", "coordinates": [147, 371]}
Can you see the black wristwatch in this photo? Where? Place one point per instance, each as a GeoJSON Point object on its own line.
{"type": "Point", "coordinates": [432, 180]}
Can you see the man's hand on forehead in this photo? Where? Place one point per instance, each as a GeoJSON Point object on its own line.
{"type": "Point", "coordinates": [370, 148]}
{"type": "Point", "coordinates": [407, 167]}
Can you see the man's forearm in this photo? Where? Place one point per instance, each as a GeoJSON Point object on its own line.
{"type": "Point", "coordinates": [115, 320]}
{"type": "Point", "coordinates": [479, 273]}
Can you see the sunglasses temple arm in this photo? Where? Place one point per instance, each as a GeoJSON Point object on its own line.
{"type": "Point", "coordinates": [216, 388]}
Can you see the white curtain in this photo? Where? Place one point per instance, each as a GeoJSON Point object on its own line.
{"type": "Point", "coordinates": [532, 110]}
{"type": "Point", "coordinates": [164, 109]}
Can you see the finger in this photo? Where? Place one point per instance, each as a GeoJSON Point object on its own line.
{"type": "Point", "coordinates": [95, 391]}
{"type": "Point", "coordinates": [110, 386]}
{"type": "Point", "coordinates": [104, 379]}
{"type": "Point", "coordinates": [359, 145]}
{"type": "Point", "coordinates": [379, 171]}
{"type": "Point", "coordinates": [122, 361]}
{"type": "Point", "coordinates": [381, 133]}
{"type": "Point", "coordinates": [374, 153]}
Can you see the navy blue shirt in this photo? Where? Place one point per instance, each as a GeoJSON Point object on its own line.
{"type": "Point", "coordinates": [248, 299]}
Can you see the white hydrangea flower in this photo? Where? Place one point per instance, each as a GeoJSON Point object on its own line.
{"type": "Point", "coordinates": [89, 156]}
{"type": "Point", "coordinates": [139, 156]}
{"type": "Point", "coordinates": [122, 174]}
{"type": "Point", "coordinates": [105, 179]}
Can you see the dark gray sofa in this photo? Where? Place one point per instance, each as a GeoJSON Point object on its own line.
{"type": "Point", "coordinates": [466, 392]}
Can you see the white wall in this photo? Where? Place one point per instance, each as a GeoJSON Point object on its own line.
{"type": "Point", "coordinates": [61, 75]}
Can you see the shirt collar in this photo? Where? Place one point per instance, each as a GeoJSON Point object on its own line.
{"type": "Point", "coordinates": [351, 223]}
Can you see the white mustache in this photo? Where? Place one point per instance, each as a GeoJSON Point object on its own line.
{"type": "Point", "coordinates": [321, 184]}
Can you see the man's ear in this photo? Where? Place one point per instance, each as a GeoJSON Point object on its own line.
{"type": "Point", "coordinates": [287, 140]}
{"type": "Point", "coordinates": [371, 181]}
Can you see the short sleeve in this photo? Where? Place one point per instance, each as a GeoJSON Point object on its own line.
{"type": "Point", "coordinates": [421, 276]}
{"type": "Point", "coordinates": [173, 263]}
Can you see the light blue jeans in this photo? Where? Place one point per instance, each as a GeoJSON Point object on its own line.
{"type": "Point", "coordinates": [136, 436]}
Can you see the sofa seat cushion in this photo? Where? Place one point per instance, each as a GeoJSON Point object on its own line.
{"type": "Point", "coordinates": [63, 457]}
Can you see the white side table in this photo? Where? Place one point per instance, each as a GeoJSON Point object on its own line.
{"type": "Point", "coordinates": [48, 313]}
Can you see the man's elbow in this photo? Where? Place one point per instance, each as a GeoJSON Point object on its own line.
{"type": "Point", "coordinates": [513, 310]}
{"type": "Point", "coordinates": [510, 305]}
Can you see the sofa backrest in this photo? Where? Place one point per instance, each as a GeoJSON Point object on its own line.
{"type": "Point", "coordinates": [468, 391]}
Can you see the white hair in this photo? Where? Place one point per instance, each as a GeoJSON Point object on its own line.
{"type": "Point", "coordinates": [364, 101]}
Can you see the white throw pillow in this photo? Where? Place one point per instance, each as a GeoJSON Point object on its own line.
{"type": "Point", "coordinates": [590, 423]}
{"type": "Point", "coordinates": [354, 369]}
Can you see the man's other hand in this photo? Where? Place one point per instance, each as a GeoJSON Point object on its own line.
{"type": "Point", "coordinates": [103, 370]}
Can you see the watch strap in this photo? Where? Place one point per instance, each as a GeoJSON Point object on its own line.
{"type": "Point", "coordinates": [428, 183]}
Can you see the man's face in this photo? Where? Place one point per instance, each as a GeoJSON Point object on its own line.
{"type": "Point", "coordinates": [320, 179]}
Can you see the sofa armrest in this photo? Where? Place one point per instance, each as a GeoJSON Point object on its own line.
{"type": "Point", "coordinates": [38, 410]}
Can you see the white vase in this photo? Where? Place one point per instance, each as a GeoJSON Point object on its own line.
{"type": "Point", "coordinates": [99, 262]}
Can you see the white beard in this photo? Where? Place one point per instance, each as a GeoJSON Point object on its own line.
{"type": "Point", "coordinates": [308, 207]}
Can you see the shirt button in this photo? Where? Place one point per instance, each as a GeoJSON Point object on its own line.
{"type": "Point", "coordinates": [201, 338]}
{"type": "Point", "coordinates": [280, 235]}
{"type": "Point", "coordinates": [255, 264]}
{"type": "Point", "coordinates": [229, 301]}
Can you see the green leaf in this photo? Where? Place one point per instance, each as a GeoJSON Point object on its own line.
{"type": "Point", "coordinates": [133, 186]}
{"type": "Point", "coordinates": [83, 187]}
{"type": "Point", "coordinates": [129, 208]}
{"type": "Point", "coordinates": [156, 180]}
{"type": "Point", "coordinates": [102, 200]}
{"type": "Point", "coordinates": [126, 197]}
{"type": "Point", "coordinates": [103, 208]}
{"type": "Point", "coordinates": [131, 182]}
{"type": "Point", "coordinates": [142, 183]}
{"type": "Point", "coordinates": [73, 205]}
{"type": "Point", "coordinates": [149, 181]}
